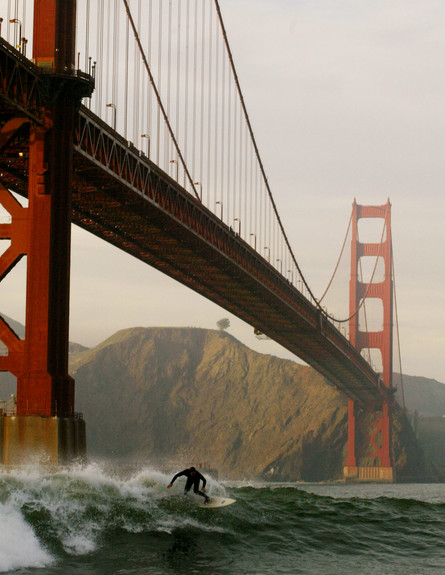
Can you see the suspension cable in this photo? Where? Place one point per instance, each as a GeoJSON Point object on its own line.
{"type": "Point", "coordinates": [365, 315]}
{"type": "Point", "coordinates": [158, 97]}
{"type": "Point", "coordinates": [260, 163]}
{"type": "Point", "coordinates": [361, 304]}
{"type": "Point", "coordinates": [397, 331]}
{"type": "Point", "coordinates": [338, 261]}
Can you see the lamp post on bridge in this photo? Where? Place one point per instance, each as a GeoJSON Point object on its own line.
{"type": "Point", "coordinates": [113, 107]}
{"type": "Point", "coordinates": [281, 265]}
{"type": "Point", "coordinates": [268, 252]}
{"type": "Point", "coordinates": [239, 225]}
{"type": "Point", "coordinates": [177, 167]}
{"type": "Point", "coordinates": [200, 189]}
{"type": "Point", "coordinates": [254, 237]}
{"type": "Point", "coordinates": [17, 21]}
{"type": "Point", "coordinates": [221, 204]}
{"type": "Point", "coordinates": [147, 136]}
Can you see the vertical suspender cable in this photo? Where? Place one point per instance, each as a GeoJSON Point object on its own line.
{"type": "Point", "coordinates": [229, 138]}
{"type": "Point", "coordinates": [100, 61]}
{"type": "Point", "coordinates": [202, 107]}
{"type": "Point", "coordinates": [116, 41]}
{"type": "Point", "coordinates": [235, 150]}
{"type": "Point", "coordinates": [195, 88]}
{"type": "Point", "coordinates": [23, 25]}
{"type": "Point", "coordinates": [338, 260]}
{"type": "Point", "coordinates": [158, 97]}
{"type": "Point", "coordinates": [149, 94]}
{"type": "Point", "coordinates": [87, 35]}
{"type": "Point", "coordinates": [158, 118]}
{"type": "Point", "coordinates": [241, 163]}
{"type": "Point", "coordinates": [169, 67]}
{"type": "Point", "coordinates": [223, 108]}
{"type": "Point", "coordinates": [137, 100]}
{"type": "Point", "coordinates": [109, 52]}
{"type": "Point", "coordinates": [263, 173]}
{"type": "Point", "coordinates": [259, 210]}
{"type": "Point", "coordinates": [246, 179]}
{"type": "Point", "coordinates": [178, 75]}
{"type": "Point", "coordinates": [363, 306]}
{"type": "Point", "coordinates": [209, 100]}
{"type": "Point", "coordinates": [126, 80]}
{"type": "Point", "coordinates": [397, 331]}
{"type": "Point", "coordinates": [186, 99]}
{"type": "Point", "coordinates": [8, 22]}
{"type": "Point", "coordinates": [239, 155]}
{"type": "Point", "coordinates": [251, 206]}
{"type": "Point", "coordinates": [138, 96]}
{"type": "Point", "coordinates": [216, 96]}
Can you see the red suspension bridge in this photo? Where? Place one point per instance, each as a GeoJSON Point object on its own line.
{"type": "Point", "coordinates": [139, 133]}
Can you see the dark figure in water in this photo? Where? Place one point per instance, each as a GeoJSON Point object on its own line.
{"type": "Point", "coordinates": [193, 478]}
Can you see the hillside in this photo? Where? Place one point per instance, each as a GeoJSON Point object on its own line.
{"type": "Point", "coordinates": [178, 395]}
{"type": "Point", "coordinates": [427, 396]}
{"type": "Point", "coordinates": [425, 403]}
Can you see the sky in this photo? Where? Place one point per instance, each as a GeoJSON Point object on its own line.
{"type": "Point", "coordinates": [346, 99]}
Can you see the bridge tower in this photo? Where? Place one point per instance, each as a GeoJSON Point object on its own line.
{"type": "Point", "coordinates": [369, 426]}
{"type": "Point", "coordinates": [45, 426]}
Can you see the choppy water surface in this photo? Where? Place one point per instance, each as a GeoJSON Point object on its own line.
{"type": "Point", "coordinates": [94, 521]}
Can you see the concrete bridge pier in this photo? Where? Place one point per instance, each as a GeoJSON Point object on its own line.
{"type": "Point", "coordinates": [369, 445]}
{"type": "Point", "coordinates": [368, 474]}
{"type": "Point", "coordinates": [47, 441]}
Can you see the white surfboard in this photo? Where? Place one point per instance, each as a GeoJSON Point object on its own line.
{"type": "Point", "coordinates": [217, 502]}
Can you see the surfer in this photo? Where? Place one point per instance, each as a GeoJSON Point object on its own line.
{"type": "Point", "coordinates": [193, 479]}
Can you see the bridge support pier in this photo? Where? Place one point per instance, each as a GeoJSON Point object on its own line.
{"type": "Point", "coordinates": [369, 434]}
{"type": "Point", "coordinates": [368, 474]}
{"type": "Point", "coordinates": [44, 427]}
{"type": "Point", "coordinates": [369, 427]}
{"type": "Point", "coordinates": [41, 440]}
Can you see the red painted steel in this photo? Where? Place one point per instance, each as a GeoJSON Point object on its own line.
{"type": "Point", "coordinates": [128, 201]}
{"type": "Point", "coordinates": [351, 460]}
{"type": "Point", "coordinates": [374, 421]}
{"type": "Point", "coordinates": [43, 230]}
{"type": "Point", "coordinates": [44, 33]}
{"type": "Point", "coordinates": [122, 197]}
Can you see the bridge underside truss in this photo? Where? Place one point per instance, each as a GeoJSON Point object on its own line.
{"type": "Point", "coordinates": [122, 197]}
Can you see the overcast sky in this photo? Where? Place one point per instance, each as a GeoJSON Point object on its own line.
{"type": "Point", "coordinates": [347, 100]}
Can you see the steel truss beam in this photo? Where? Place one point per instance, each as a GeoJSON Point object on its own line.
{"type": "Point", "coordinates": [124, 198]}
{"type": "Point", "coordinates": [20, 84]}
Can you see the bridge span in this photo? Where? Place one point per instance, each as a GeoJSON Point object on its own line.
{"type": "Point", "coordinates": [122, 197]}
{"type": "Point", "coordinates": [117, 193]}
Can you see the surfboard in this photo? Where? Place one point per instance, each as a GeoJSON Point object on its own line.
{"type": "Point", "coordinates": [217, 502]}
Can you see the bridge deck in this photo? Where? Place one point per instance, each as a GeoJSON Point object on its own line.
{"type": "Point", "coordinates": [123, 198]}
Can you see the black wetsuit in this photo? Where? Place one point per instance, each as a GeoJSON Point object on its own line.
{"type": "Point", "coordinates": [192, 480]}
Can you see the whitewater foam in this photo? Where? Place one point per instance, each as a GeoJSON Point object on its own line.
{"type": "Point", "coordinates": [19, 546]}
{"type": "Point", "coordinates": [74, 508]}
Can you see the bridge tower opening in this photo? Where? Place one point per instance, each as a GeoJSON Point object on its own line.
{"type": "Point", "coordinates": [369, 426]}
{"type": "Point", "coordinates": [44, 426]}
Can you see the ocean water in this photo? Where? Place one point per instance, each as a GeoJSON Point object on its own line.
{"type": "Point", "coordinates": [92, 520]}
